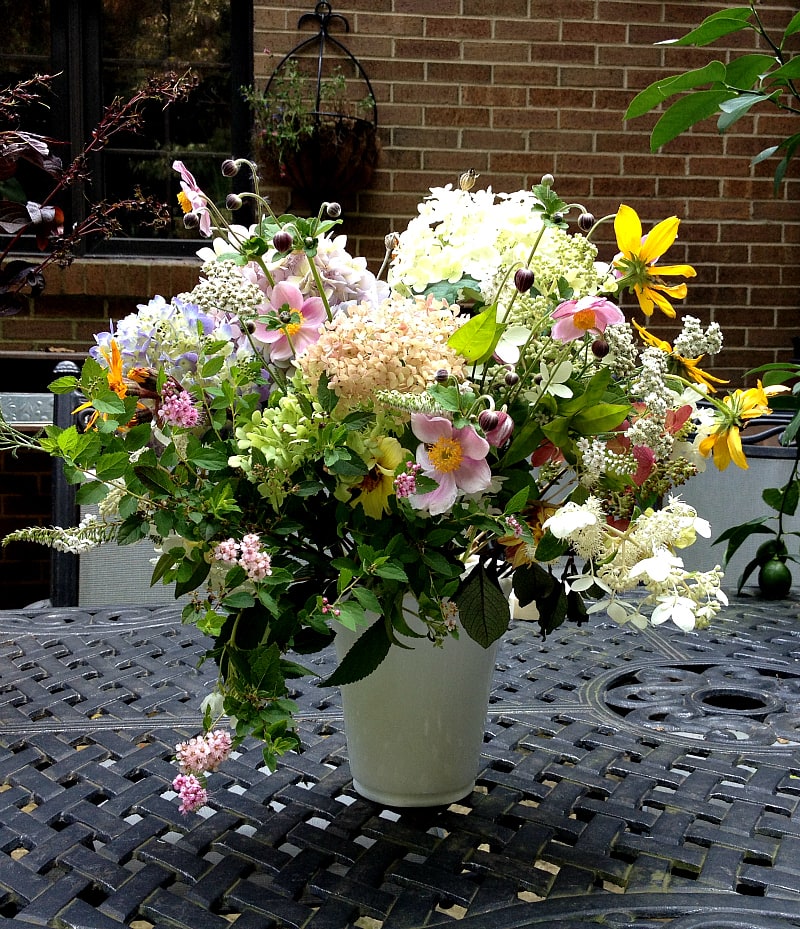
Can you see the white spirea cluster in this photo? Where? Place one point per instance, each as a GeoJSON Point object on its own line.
{"type": "Point", "coordinates": [224, 289]}
{"type": "Point", "coordinates": [88, 534]}
{"type": "Point", "coordinates": [623, 356]}
{"type": "Point", "coordinates": [694, 341]}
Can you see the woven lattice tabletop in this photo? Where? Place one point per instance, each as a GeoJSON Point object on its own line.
{"type": "Point", "coordinates": [628, 779]}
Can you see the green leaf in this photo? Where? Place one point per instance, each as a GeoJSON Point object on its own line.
{"type": "Point", "coordinates": [482, 607]}
{"type": "Point", "coordinates": [327, 397]}
{"type": "Point", "coordinates": [238, 600]}
{"type": "Point", "coordinates": [212, 366]}
{"type": "Point", "coordinates": [517, 503]}
{"type": "Point", "coordinates": [155, 478]}
{"type": "Point", "coordinates": [192, 578]}
{"type": "Point", "coordinates": [737, 535]}
{"type": "Point", "coordinates": [391, 571]}
{"type": "Point", "coordinates": [550, 547]}
{"type": "Point", "coordinates": [793, 27]}
{"type": "Point", "coordinates": [733, 110]}
{"type": "Point", "coordinates": [208, 458]}
{"type": "Point", "coordinates": [602, 417]}
{"type": "Point", "coordinates": [787, 72]}
{"type": "Point", "coordinates": [440, 565]}
{"type": "Point", "coordinates": [91, 492]}
{"type": "Point", "coordinates": [351, 614]}
{"type": "Point", "coordinates": [715, 26]}
{"type": "Point", "coordinates": [665, 87]}
{"type": "Point", "coordinates": [746, 70]}
{"type": "Point", "coordinates": [369, 650]}
{"type": "Point", "coordinates": [111, 466]}
{"type": "Point", "coordinates": [367, 599]}
{"type": "Point", "coordinates": [63, 385]}
{"type": "Point", "coordinates": [783, 499]}
{"type": "Point", "coordinates": [478, 337]}
{"type": "Point", "coordinates": [685, 113]}
{"type": "Point", "coordinates": [749, 568]}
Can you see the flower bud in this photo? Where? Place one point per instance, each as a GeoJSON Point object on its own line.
{"type": "Point", "coordinates": [467, 179]}
{"type": "Point", "coordinates": [585, 221]}
{"type": "Point", "coordinates": [442, 376]}
{"type": "Point", "coordinates": [501, 433]}
{"type": "Point", "coordinates": [391, 241]}
{"type": "Point", "coordinates": [511, 378]}
{"type": "Point", "coordinates": [191, 220]}
{"type": "Point", "coordinates": [557, 217]}
{"type": "Point", "coordinates": [233, 202]}
{"type": "Point", "coordinates": [523, 279]}
{"type": "Point", "coordinates": [282, 241]}
{"type": "Point", "coordinates": [229, 168]}
{"type": "Point", "coordinates": [600, 348]}
{"type": "Point", "coordinates": [488, 420]}
{"type": "Point", "coordinates": [334, 210]}
{"type": "Point", "coordinates": [548, 180]}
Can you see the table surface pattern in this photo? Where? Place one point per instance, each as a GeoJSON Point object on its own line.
{"type": "Point", "coordinates": [628, 779]}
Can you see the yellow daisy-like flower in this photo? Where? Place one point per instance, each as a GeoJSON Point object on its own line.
{"type": "Point", "coordinates": [374, 489]}
{"type": "Point", "coordinates": [687, 368]}
{"type": "Point", "coordinates": [636, 262]}
{"type": "Point", "coordinates": [116, 381]}
{"type": "Point", "coordinates": [732, 414]}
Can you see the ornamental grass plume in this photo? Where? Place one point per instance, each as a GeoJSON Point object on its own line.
{"type": "Point", "coordinates": [308, 445]}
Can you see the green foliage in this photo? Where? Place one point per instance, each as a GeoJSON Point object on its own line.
{"type": "Point", "coordinates": [729, 90]}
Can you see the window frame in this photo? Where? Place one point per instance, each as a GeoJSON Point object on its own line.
{"type": "Point", "coordinates": [75, 27]}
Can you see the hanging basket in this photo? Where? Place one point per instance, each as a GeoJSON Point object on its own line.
{"type": "Point", "coordinates": [336, 158]}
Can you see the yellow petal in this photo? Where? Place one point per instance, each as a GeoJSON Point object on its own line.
{"type": "Point", "coordinates": [669, 270]}
{"type": "Point", "coordinates": [659, 239]}
{"type": "Point", "coordinates": [660, 301]}
{"type": "Point", "coordinates": [628, 229]}
{"type": "Point", "coordinates": [644, 296]}
{"type": "Point", "coordinates": [722, 455]}
{"type": "Point", "coordinates": [734, 446]}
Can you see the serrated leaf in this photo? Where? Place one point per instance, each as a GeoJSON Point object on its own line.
{"type": "Point", "coordinates": [483, 608]}
{"type": "Point", "coordinates": [391, 571]}
{"type": "Point", "coordinates": [91, 492]}
{"type": "Point", "coordinates": [239, 600]}
{"type": "Point", "coordinates": [369, 650]}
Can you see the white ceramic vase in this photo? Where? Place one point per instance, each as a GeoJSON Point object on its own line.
{"type": "Point", "coordinates": [415, 725]}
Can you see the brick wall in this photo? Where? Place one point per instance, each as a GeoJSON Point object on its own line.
{"type": "Point", "coordinates": [519, 88]}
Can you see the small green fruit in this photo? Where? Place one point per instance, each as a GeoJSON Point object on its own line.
{"type": "Point", "coordinates": [772, 548]}
{"type": "Point", "coordinates": [774, 579]}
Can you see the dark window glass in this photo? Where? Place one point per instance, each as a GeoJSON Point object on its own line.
{"type": "Point", "coordinates": [105, 49]}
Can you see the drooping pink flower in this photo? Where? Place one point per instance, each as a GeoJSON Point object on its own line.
{"type": "Point", "coordinates": [574, 318]}
{"type": "Point", "coordinates": [192, 793]}
{"type": "Point", "coordinates": [454, 457]}
{"type": "Point", "coordinates": [191, 198]}
{"type": "Point", "coordinates": [294, 322]}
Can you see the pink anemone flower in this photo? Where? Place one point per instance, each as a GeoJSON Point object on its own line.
{"type": "Point", "coordinates": [574, 318]}
{"type": "Point", "coordinates": [454, 458]}
{"type": "Point", "coordinates": [191, 198]}
{"type": "Point", "coordinates": [299, 321]}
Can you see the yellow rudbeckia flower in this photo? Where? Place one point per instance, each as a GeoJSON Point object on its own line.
{"type": "Point", "coordinates": [636, 262]}
{"type": "Point", "coordinates": [725, 442]}
{"type": "Point", "coordinates": [116, 381]}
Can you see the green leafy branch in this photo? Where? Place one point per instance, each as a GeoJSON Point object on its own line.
{"type": "Point", "coordinates": [729, 90]}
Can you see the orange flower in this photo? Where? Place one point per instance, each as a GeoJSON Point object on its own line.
{"type": "Point", "coordinates": [116, 382]}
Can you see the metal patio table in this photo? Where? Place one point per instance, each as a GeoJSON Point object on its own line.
{"type": "Point", "coordinates": [629, 779]}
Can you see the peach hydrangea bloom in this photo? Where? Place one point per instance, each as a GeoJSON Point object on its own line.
{"type": "Point", "coordinates": [398, 344]}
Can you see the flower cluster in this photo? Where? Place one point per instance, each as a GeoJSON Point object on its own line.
{"type": "Point", "coordinates": [486, 430]}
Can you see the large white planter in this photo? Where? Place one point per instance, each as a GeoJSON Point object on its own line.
{"type": "Point", "coordinates": [415, 726]}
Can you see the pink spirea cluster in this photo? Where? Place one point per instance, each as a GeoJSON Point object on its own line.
{"type": "Point", "coordinates": [405, 484]}
{"type": "Point", "coordinates": [203, 753]}
{"type": "Point", "coordinates": [247, 553]}
{"type": "Point", "coordinates": [177, 409]}
{"type": "Point", "coordinates": [192, 793]}
{"type": "Point", "coordinates": [399, 344]}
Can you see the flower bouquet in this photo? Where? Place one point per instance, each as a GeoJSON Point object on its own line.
{"type": "Point", "coordinates": [309, 445]}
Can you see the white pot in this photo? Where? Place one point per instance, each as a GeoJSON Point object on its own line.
{"type": "Point", "coordinates": [415, 725]}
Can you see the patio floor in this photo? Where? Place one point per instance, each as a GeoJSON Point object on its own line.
{"type": "Point", "coordinates": [628, 779]}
